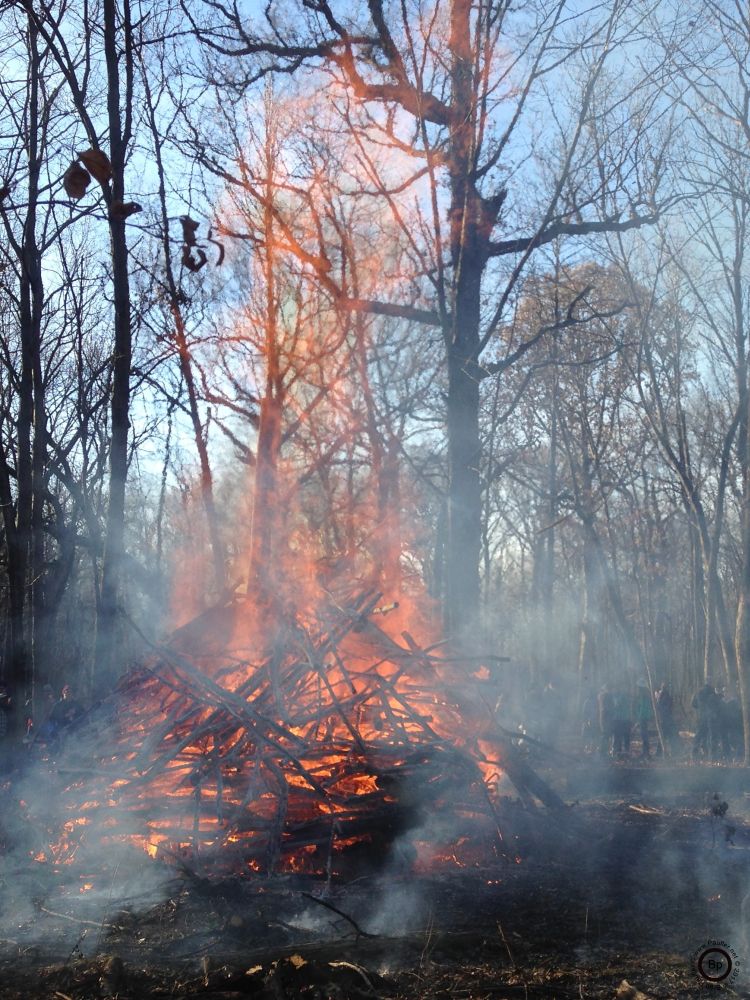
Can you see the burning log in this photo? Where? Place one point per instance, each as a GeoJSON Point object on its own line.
{"type": "Point", "coordinates": [338, 747]}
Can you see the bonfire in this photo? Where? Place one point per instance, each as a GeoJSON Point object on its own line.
{"type": "Point", "coordinates": [326, 743]}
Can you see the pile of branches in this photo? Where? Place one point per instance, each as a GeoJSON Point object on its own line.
{"type": "Point", "coordinates": [340, 747]}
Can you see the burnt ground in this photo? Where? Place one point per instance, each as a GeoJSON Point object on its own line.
{"type": "Point", "coordinates": [630, 882]}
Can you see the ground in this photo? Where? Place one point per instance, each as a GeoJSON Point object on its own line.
{"type": "Point", "coordinates": [641, 873]}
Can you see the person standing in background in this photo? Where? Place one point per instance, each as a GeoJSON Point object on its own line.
{"type": "Point", "coordinates": [706, 706]}
{"type": "Point", "coordinates": [606, 720]}
{"type": "Point", "coordinates": [622, 723]}
{"type": "Point", "coordinates": [643, 711]}
{"type": "Point", "coordinates": [667, 723]}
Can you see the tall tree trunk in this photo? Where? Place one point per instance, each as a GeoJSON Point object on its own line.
{"type": "Point", "coordinates": [207, 483]}
{"type": "Point", "coordinates": [384, 458]}
{"type": "Point", "coordinates": [28, 539]}
{"type": "Point", "coordinates": [265, 570]}
{"type": "Point", "coordinates": [461, 593]}
{"type": "Point", "coordinates": [587, 645]}
{"type": "Point", "coordinates": [461, 574]}
{"type": "Point", "coordinates": [106, 645]}
{"type": "Point", "coordinates": [743, 617]}
{"type": "Point", "coordinates": [184, 356]}
{"type": "Point", "coordinates": [698, 601]}
{"type": "Point", "coordinates": [742, 629]}
{"type": "Point", "coordinates": [716, 610]}
{"type": "Point", "coordinates": [546, 549]}
{"type": "Point", "coordinates": [718, 615]}
{"type": "Point", "coordinates": [16, 661]}
{"type": "Point", "coordinates": [41, 664]}
{"type": "Point", "coordinates": [742, 626]}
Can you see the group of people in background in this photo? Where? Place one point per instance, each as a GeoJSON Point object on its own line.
{"type": "Point", "coordinates": [617, 713]}
{"type": "Point", "coordinates": [55, 714]}
{"type": "Point", "coordinates": [611, 718]}
{"type": "Point", "coordinates": [718, 734]}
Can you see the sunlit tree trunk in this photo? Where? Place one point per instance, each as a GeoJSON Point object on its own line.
{"type": "Point", "coordinates": [385, 548]}
{"type": "Point", "coordinates": [266, 569]}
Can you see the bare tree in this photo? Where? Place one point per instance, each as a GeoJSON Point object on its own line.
{"type": "Point", "coordinates": [442, 94]}
{"type": "Point", "coordinates": [71, 45]}
{"type": "Point", "coordinates": [709, 78]}
{"type": "Point", "coordinates": [174, 297]}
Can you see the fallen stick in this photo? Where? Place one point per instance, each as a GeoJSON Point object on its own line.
{"type": "Point", "coordinates": [76, 920]}
{"type": "Point", "coordinates": [335, 909]}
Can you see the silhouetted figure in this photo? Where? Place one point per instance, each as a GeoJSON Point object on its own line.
{"type": "Point", "coordinates": [720, 747]}
{"type": "Point", "coordinates": [590, 721]}
{"type": "Point", "coordinates": [706, 706]}
{"type": "Point", "coordinates": [5, 728]}
{"type": "Point", "coordinates": [622, 724]}
{"type": "Point", "coordinates": [606, 704]}
{"type": "Point", "coordinates": [734, 736]}
{"type": "Point", "coordinates": [64, 713]}
{"type": "Point", "coordinates": [45, 730]}
{"type": "Point", "coordinates": [667, 724]}
{"type": "Point", "coordinates": [643, 712]}
{"type": "Point", "coordinates": [68, 708]}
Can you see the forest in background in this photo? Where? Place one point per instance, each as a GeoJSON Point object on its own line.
{"type": "Point", "coordinates": [449, 297]}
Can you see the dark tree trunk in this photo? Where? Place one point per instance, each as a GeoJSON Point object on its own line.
{"type": "Point", "coordinates": [587, 646]}
{"type": "Point", "coordinates": [461, 573]}
{"type": "Point", "coordinates": [698, 604]}
{"type": "Point", "coordinates": [716, 609]}
{"type": "Point", "coordinates": [111, 579]}
{"type": "Point", "coordinates": [207, 483]}
{"type": "Point", "coordinates": [468, 249]}
{"type": "Point", "coordinates": [742, 629]}
{"type": "Point", "coordinates": [265, 570]}
{"type": "Point", "coordinates": [26, 540]}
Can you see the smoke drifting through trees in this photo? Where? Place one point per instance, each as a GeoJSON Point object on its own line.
{"type": "Point", "coordinates": [473, 321]}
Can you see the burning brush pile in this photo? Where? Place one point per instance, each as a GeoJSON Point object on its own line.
{"type": "Point", "coordinates": [339, 749]}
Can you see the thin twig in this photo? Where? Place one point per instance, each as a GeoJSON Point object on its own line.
{"type": "Point", "coordinates": [75, 920]}
{"type": "Point", "coordinates": [330, 906]}
{"type": "Point", "coordinates": [507, 946]}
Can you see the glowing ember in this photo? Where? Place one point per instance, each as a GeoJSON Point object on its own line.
{"type": "Point", "coordinates": [334, 744]}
